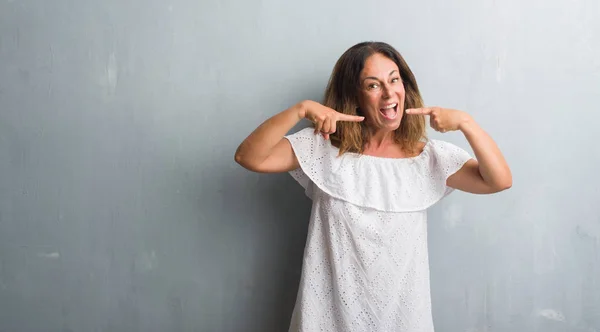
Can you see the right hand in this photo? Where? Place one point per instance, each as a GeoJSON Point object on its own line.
{"type": "Point", "coordinates": [325, 118]}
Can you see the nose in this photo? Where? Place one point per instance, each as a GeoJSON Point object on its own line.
{"type": "Point", "coordinates": [386, 91]}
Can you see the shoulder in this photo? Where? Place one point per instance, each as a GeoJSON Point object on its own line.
{"type": "Point", "coordinates": [446, 157]}
{"type": "Point", "coordinates": [308, 145]}
{"type": "Point", "coordinates": [305, 133]}
{"type": "Point", "coordinates": [440, 146]}
{"type": "Point", "coordinates": [306, 138]}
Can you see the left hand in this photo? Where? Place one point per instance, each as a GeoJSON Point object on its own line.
{"type": "Point", "coordinates": [442, 119]}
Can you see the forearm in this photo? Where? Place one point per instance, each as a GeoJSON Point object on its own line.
{"type": "Point", "coordinates": [259, 144]}
{"type": "Point", "coordinates": [492, 166]}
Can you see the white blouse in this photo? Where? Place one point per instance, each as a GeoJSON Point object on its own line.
{"type": "Point", "coordinates": [366, 264]}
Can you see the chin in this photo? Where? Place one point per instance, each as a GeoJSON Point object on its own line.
{"type": "Point", "coordinates": [385, 127]}
{"type": "Point", "coordinates": [393, 127]}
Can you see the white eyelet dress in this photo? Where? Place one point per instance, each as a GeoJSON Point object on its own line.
{"type": "Point", "coordinates": [365, 265]}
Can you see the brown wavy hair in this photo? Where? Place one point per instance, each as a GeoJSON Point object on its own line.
{"type": "Point", "coordinates": [342, 94]}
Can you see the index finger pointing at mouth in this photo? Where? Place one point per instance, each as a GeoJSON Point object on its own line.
{"type": "Point", "coordinates": [352, 118]}
{"type": "Point", "coordinates": [424, 111]}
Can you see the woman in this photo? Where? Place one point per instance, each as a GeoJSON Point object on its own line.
{"type": "Point", "coordinates": [371, 174]}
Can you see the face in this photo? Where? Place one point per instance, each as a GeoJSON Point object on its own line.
{"type": "Point", "coordinates": [381, 95]}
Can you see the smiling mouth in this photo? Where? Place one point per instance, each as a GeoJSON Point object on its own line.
{"type": "Point", "coordinates": [389, 112]}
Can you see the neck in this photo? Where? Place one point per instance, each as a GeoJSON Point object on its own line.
{"type": "Point", "coordinates": [381, 139]}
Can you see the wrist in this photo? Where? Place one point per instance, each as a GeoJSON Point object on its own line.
{"type": "Point", "coordinates": [466, 123]}
{"type": "Point", "coordinates": [300, 109]}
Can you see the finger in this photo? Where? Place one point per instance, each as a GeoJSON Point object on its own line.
{"type": "Point", "coordinates": [326, 126]}
{"type": "Point", "coordinates": [333, 127]}
{"type": "Point", "coordinates": [433, 124]}
{"type": "Point", "coordinates": [423, 111]}
{"type": "Point", "coordinates": [348, 117]}
{"type": "Point", "coordinates": [318, 125]}
{"type": "Point", "coordinates": [440, 129]}
{"type": "Point", "coordinates": [326, 136]}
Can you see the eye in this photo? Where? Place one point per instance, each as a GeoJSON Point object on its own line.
{"type": "Point", "coordinates": [373, 86]}
{"type": "Point", "coordinates": [395, 80]}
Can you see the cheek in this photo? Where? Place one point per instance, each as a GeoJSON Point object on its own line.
{"type": "Point", "coordinates": [369, 101]}
{"type": "Point", "coordinates": [401, 90]}
{"type": "Point", "coordinates": [402, 96]}
{"type": "Point", "coordinates": [374, 101]}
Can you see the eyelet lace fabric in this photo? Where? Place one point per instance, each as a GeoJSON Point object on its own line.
{"type": "Point", "coordinates": [366, 265]}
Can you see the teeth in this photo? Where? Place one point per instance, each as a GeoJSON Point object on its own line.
{"type": "Point", "coordinates": [389, 112]}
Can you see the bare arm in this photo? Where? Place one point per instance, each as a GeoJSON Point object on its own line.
{"type": "Point", "coordinates": [486, 175]}
{"type": "Point", "coordinates": [267, 151]}
{"type": "Point", "coordinates": [490, 172]}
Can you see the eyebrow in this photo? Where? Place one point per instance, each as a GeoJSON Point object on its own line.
{"type": "Point", "coordinates": [375, 78]}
